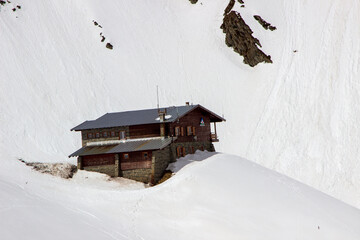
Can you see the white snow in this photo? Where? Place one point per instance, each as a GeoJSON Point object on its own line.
{"type": "Point", "coordinates": [298, 115]}
{"type": "Point", "coordinates": [221, 197]}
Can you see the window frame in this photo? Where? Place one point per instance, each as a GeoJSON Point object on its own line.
{"type": "Point", "coordinates": [177, 131]}
{"type": "Point", "coordinates": [120, 135]}
{"type": "Point", "coordinates": [126, 156]}
{"type": "Point", "coordinates": [189, 131]}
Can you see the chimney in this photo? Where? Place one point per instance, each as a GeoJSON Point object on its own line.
{"type": "Point", "coordinates": [187, 103]}
{"type": "Point", "coordinates": [162, 115]}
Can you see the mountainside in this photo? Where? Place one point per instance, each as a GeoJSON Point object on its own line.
{"type": "Point", "coordinates": [297, 115]}
{"type": "Point", "coordinates": [221, 197]}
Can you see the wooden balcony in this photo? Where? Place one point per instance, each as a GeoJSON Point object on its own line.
{"type": "Point", "coordinates": [214, 137]}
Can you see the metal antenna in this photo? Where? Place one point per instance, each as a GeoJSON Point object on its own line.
{"type": "Point", "coordinates": [157, 96]}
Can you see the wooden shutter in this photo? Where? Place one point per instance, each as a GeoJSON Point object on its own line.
{"type": "Point", "coordinates": [177, 131]}
{"type": "Point", "coordinates": [182, 131]}
{"type": "Point", "coordinates": [178, 151]}
{"type": "Point", "coordinates": [183, 151]}
{"type": "Point", "coordinates": [194, 133]}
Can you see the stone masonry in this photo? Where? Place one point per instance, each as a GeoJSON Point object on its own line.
{"type": "Point", "coordinates": [106, 169]}
{"type": "Point", "coordinates": [160, 161]}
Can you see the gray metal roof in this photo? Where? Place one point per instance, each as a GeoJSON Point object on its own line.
{"type": "Point", "coordinates": [139, 117]}
{"type": "Point", "coordinates": [126, 146]}
{"type": "Point", "coordinates": [131, 118]}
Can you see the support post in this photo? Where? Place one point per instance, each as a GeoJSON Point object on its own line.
{"type": "Point", "coordinates": [215, 130]}
{"type": "Point", "coordinates": [79, 163]}
{"type": "Point", "coordinates": [162, 129]}
{"type": "Point", "coordinates": [117, 165]}
{"type": "Point", "coordinates": [152, 175]}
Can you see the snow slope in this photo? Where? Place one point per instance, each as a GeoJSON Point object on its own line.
{"type": "Point", "coordinates": [298, 115]}
{"type": "Point", "coordinates": [221, 197]}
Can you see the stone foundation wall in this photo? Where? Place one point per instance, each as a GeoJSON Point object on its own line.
{"type": "Point", "coordinates": [107, 169]}
{"type": "Point", "coordinates": [141, 175]}
{"type": "Point", "coordinates": [208, 146]}
{"type": "Point", "coordinates": [161, 160]}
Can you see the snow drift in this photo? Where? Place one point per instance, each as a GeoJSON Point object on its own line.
{"type": "Point", "coordinates": [221, 197]}
{"type": "Point", "coordinates": [298, 115]}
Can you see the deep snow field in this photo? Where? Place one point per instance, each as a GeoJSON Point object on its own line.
{"type": "Point", "coordinates": [298, 116]}
{"type": "Point", "coordinates": [211, 196]}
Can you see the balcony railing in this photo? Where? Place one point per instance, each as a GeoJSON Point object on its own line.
{"type": "Point", "coordinates": [214, 137]}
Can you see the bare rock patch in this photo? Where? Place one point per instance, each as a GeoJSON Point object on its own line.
{"type": "Point", "coordinates": [265, 24]}
{"type": "Point", "coordinates": [239, 37]}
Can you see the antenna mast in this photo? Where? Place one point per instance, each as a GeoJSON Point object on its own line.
{"type": "Point", "coordinates": [157, 96]}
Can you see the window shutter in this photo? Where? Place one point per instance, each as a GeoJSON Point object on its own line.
{"type": "Point", "coordinates": [183, 151]}
{"type": "Point", "coordinates": [194, 133]}
{"type": "Point", "coordinates": [182, 131]}
{"type": "Point", "coordinates": [178, 151]}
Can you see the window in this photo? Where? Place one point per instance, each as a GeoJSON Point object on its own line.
{"type": "Point", "coordinates": [105, 134]}
{"type": "Point", "coordinates": [122, 135]}
{"type": "Point", "coordinates": [180, 151]}
{"type": "Point", "coordinates": [90, 135]}
{"type": "Point", "coordinates": [126, 156]}
{"type": "Point", "coordinates": [189, 130]}
{"type": "Point", "coordinates": [112, 134]}
{"type": "Point", "coordinates": [177, 131]}
{"type": "Point", "coordinates": [97, 135]}
{"type": "Point", "coordinates": [145, 155]}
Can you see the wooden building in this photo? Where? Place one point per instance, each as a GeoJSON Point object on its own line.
{"type": "Point", "coordinates": [140, 144]}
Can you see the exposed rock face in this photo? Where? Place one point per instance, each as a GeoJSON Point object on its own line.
{"type": "Point", "coordinates": [109, 46]}
{"type": "Point", "coordinates": [63, 170]}
{"type": "Point", "coordinates": [229, 7]}
{"type": "Point", "coordinates": [239, 37]}
{"type": "Point", "coordinates": [265, 24]}
{"type": "Point", "coordinates": [193, 1]}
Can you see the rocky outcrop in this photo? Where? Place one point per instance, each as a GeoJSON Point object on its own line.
{"type": "Point", "coordinates": [229, 7]}
{"type": "Point", "coordinates": [239, 37]}
{"type": "Point", "coordinates": [109, 46]}
{"type": "Point", "coordinates": [193, 1]}
{"type": "Point", "coordinates": [265, 24]}
{"type": "Point", "coordinates": [63, 170]}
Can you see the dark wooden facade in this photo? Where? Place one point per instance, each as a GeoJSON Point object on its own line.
{"type": "Point", "coordinates": [144, 131]}
{"type": "Point", "coordinates": [189, 133]}
{"type": "Point", "coordinates": [98, 160]}
{"type": "Point", "coordinates": [192, 120]}
{"type": "Point", "coordinates": [128, 160]}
